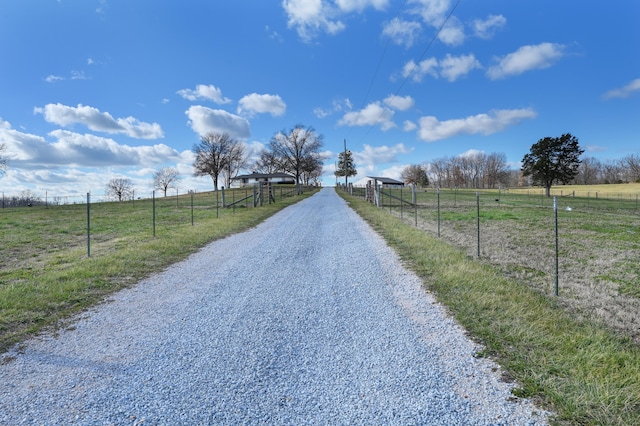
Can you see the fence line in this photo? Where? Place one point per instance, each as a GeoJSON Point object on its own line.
{"type": "Point", "coordinates": [30, 199]}
{"type": "Point", "coordinates": [582, 250]}
{"type": "Point", "coordinates": [102, 220]}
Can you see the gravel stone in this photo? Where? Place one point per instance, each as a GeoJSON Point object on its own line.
{"type": "Point", "coordinates": [308, 318]}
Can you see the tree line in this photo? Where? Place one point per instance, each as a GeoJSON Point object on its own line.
{"type": "Point", "coordinates": [222, 157]}
{"type": "Point", "coordinates": [472, 170]}
{"type": "Point", "coordinates": [551, 160]}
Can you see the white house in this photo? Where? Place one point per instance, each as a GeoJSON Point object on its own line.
{"type": "Point", "coordinates": [256, 178]}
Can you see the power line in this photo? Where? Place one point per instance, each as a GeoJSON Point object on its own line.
{"type": "Point", "coordinates": [424, 52]}
{"type": "Point", "coordinates": [375, 74]}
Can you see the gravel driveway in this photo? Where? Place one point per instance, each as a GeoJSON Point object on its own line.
{"type": "Point", "coordinates": [308, 318]}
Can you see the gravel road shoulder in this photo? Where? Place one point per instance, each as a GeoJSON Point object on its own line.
{"type": "Point", "coordinates": [309, 318]}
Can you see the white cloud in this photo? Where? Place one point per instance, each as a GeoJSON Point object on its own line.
{"type": "Point", "coordinates": [470, 153]}
{"type": "Point", "coordinates": [431, 129]}
{"type": "Point", "coordinates": [321, 112]}
{"type": "Point", "coordinates": [451, 67]}
{"type": "Point", "coordinates": [452, 33]}
{"type": "Point", "coordinates": [433, 12]}
{"type": "Point", "coordinates": [371, 156]}
{"type": "Point", "coordinates": [255, 103]}
{"type": "Point", "coordinates": [53, 78]}
{"type": "Point", "coordinates": [204, 120]}
{"type": "Point", "coordinates": [360, 5]}
{"type": "Point", "coordinates": [402, 33]}
{"type": "Point", "coordinates": [401, 103]}
{"type": "Point", "coordinates": [310, 17]}
{"type": "Point", "coordinates": [393, 172]}
{"type": "Point", "coordinates": [338, 106]}
{"type": "Point", "coordinates": [31, 152]}
{"type": "Point", "coordinates": [78, 75]}
{"type": "Point", "coordinates": [624, 91]}
{"type": "Point", "coordinates": [73, 164]}
{"type": "Point", "coordinates": [409, 126]}
{"type": "Point", "coordinates": [525, 59]}
{"type": "Point", "coordinates": [207, 92]}
{"type": "Point", "coordinates": [64, 115]}
{"type": "Point", "coordinates": [90, 150]}
{"type": "Point", "coordinates": [596, 148]}
{"type": "Point", "coordinates": [372, 115]}
{"type": "Point", "coordinates": [418, 71]}
{"type": "Point", "coordinates": [486, 28]}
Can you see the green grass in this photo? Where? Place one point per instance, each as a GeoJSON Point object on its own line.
{"type": "Point", "coordinates": [598, 238]}
{"type": "Point", "coordinates": [580, 370]}
{"type": "Point", "coordinates": [47, 276]}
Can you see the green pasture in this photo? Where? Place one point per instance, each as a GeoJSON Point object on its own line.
{"type": "Point", "coordinates": [57, 260]}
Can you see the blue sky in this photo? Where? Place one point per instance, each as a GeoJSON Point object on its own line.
{"type": "Point", "coordinates": [92, 90]}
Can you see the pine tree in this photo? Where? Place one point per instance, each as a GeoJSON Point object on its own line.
{"type": "Point", "coordinates": [346, 166]}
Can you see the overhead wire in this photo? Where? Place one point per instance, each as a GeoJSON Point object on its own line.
{"type": "Point", "coordinates": [424, 52]}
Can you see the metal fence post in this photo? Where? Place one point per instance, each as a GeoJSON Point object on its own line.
{"type": "Point", "coordinates": [555, 212]}
{"type": "Point", "coordinates": [153, 197]}
{"type": "Point", "coordinates": [478, 219]}
{"type": "Point", "coordinates": [88, 224]}
{"type": "Point", "coordinates": [191, 207]}
{"type": "Point", "coordinates": [414, 200]}
{"type": "Point", "coordinates": [438, 212]}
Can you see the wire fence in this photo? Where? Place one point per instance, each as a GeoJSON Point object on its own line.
{"type": "Point", "coordinates": [582, 248]}
{"type": "Point", "coordinates": [31, 199]}
{"type": "Point", "coordinates": [28, 230]}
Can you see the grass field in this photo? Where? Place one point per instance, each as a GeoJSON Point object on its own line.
{"type": "Point", "coordinates": [52, 265]}
{"type": "Point", "coordinates": [573, 353]}
{"type": "Point", "coordinates": [611, 191]}
{"type": "Point", "coordinates": [598, 273]}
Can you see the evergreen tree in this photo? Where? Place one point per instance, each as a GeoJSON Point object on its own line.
{"type": "Point", "coordinates": [553, 160]}
{"type": "Point", "coordinates": [346, 166]}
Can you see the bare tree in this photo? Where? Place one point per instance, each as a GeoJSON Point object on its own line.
{"type": "Point", "coordinates": [589, 172]}
{"type": "Point", "coordinates": [166, 178]}
{"type": "Point", "coordinates": [415, 174]}
{"type": "Point", "coordinates": [28, 198]}
{"type": "Point", "coordinates": [213, 155]}
{"type": "Point", "coordinates": [120, 188]}
{"type": "Point", "coordinates": [439, 169]}
{"type": "Point", "coordinates": [457, 174]}
{"type": "Point", "coordinates": [236, 161]}
{"type": "Point", "coordinates": [495, 169]}
{"type": "Point", "coordinates": [612, 172]}
{"type": "Point", "coordinates": [268, 163]}
{"type": "Point", "coordinates": [312, 169]}
{"type": "Point", "coordinates": [632, 164]}
{"type": "Point", "coordinates": [295, 148]}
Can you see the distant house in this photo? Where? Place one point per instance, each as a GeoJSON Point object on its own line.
{"type": "Point", "coordinates": [386, 182]}
{"type": "Point", "coordinates": [256, 178]}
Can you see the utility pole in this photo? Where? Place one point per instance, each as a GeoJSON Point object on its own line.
{"type": "Point", "coordinates": [346, 174]}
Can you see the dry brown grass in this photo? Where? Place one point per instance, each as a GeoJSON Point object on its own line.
{"type": "Point", "coordinates": [599, 274]}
